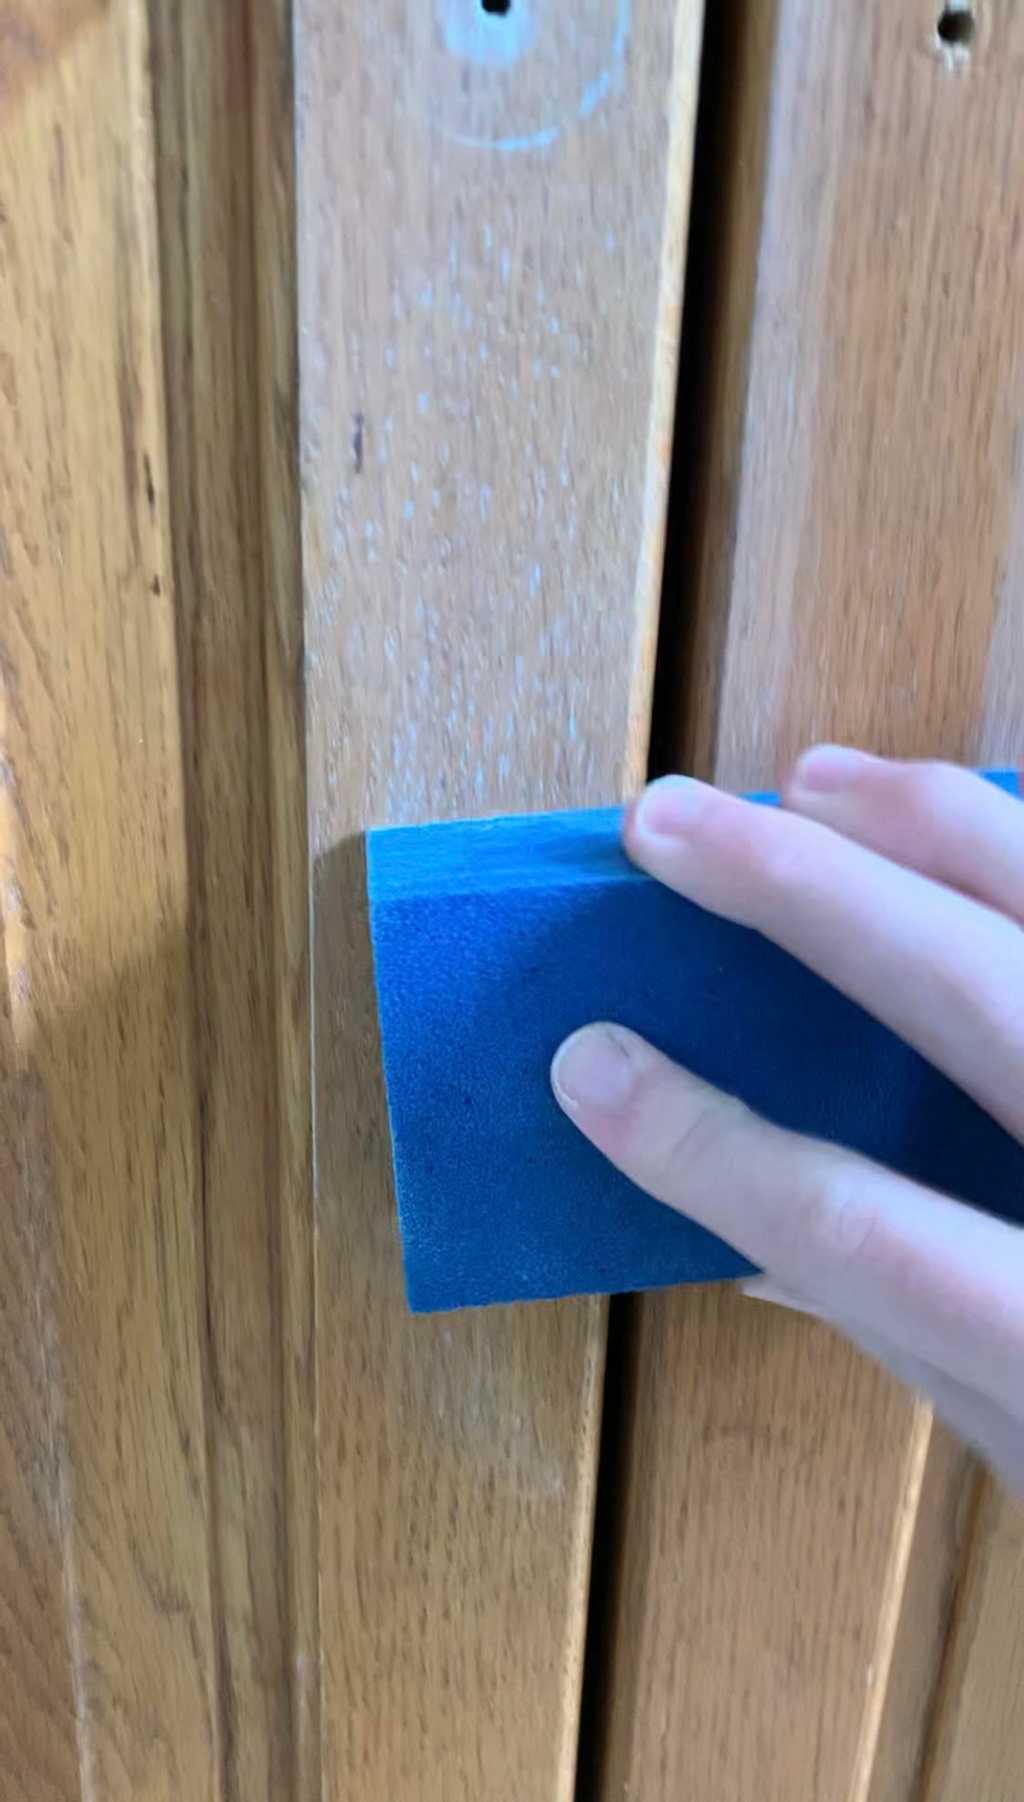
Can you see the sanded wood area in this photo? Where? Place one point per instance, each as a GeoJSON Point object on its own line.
{"type": "Point", "coordinates": [104, 1420]}
{"type": "Point", "coordinates": [858, 547]}
{"type": "Point", "coordinates": [492, 214]}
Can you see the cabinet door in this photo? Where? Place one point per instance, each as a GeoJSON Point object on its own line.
{"type": "Point", "coordinates": [812, 1597]}
{"type": "Point", "coordinates": [338, 398]}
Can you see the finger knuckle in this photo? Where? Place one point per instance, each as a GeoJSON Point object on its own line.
{"type": "Point", "coordinates": [840, 1219]}
{"type": "Point", "coordinates": [929, 794]}
{"type": "Point", "coordinates": [981, 989]}
{"type": "Point", "coordinates": [783, 863]}
{"type": "Point", "coordinates": [760, 857]}
{"type": "Point", "coordinates": [761, 849]}
{"type": "Point", "coordinates": [701, 1139]}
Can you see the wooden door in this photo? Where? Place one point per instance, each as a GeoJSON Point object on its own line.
{"type": "Point", "coordinates": [846, 566]}
{"type": "Point", "coordinates": [342, 419]}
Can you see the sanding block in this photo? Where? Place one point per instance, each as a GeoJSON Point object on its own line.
{"type": "Point", "coordinates": [494, 939]}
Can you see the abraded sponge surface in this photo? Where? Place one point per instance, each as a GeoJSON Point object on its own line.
{"type": "Point", "coordinates": [495, 939]}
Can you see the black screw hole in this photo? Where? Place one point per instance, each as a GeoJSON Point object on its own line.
{"type": "Point", "coordinates": [956, 27]}
{"type": "Point", "coordinates": [497, 8]}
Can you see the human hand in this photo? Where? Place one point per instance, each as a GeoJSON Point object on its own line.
{"type": "Point", "coordinates": [903, 885]}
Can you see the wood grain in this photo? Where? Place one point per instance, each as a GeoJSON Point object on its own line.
{"type": "Point", "coordinates": [976, 1747]}
{"type": "Point", "coordinates": [95, 899]}
{"type": "Point", "coordinates": [33, 34]}
{"type": "Point", "coordinates": [38, 1725]}
{"type": "Point", "coordinates": [490, 244]}
{"type": "Point", "coordinates": [247, 861]}
{"type": "Point", "coordinates": [862, 544]}
{"type": "Point", "coordinates": [273, 269]}
{"type": "Point", "coordinates": [857, 546]}
{"type": "Point", "coordinates": [946, 1519]}
{"type": "Point", "coordinates": [262, 1534]}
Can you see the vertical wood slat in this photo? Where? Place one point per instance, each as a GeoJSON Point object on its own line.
{"type": "Point", "coordinates": [38, 1729]}
{"type": "Point", "coordinates": [491, 224]}
{"type": "Point", "coordinates": [156, 1447]}
{"type": "Point", "coordinates": [226, 218]}
{"type": "Point", "coordinates": [200, 64]}
{"type": "Point", "coordinates": [943, 1531]}
{"type": "Point", "coordinates": [976, 1728]}
{"type": "Point", "coordinates": [276, 317]}
{"type": "Point", "coordinates": [858, 554]}
{"type": "Point", "coordinates": [95, 899]}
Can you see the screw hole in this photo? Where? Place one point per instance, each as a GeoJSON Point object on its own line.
{"type": "Point", "coordinates": [956, 27]}
{"type": "Point", "coordinates": [496, 8]}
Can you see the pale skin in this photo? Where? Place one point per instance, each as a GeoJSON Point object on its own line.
{"type": "Point", "coordinates": [902, 884]}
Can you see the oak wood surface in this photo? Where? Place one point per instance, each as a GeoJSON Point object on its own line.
{"type": "Point", "coordinates": [944, 1528]}
{"type": "Point", "coordinates": [262, 1534]}
{"type": "Point", "coordinates": [38, 1736]}
{"type": "Point", "coordinates": [95, 901]}
{"type": "Point", "coordinates": [857, 539]}
{"type": "Point", "coordinates": [491, 224]}
{"type": "Point", "coordinates": [33, 34]}
{"type": "Point", "coordinates": [157, 1427]}
{"type": "Point", "coordinates": [226, 219]}
{"type": "Point", "coordinates": [976, 1725]}
{"type": "Point", "coordinates": [273, 269]}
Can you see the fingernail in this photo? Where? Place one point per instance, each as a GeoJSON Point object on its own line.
{"type": "Point", "coordinates": [593, 1069]}
{"type": "Point", "coordinates": [825, 769]}
{"type": "Point", "coordinates": [669, 808]}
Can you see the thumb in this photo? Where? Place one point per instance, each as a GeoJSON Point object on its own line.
{"type": "Point", "coordinates": [943, 1281]}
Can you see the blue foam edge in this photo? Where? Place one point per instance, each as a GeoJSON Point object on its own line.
{"type": "Point", "coordinates": [492, 940]}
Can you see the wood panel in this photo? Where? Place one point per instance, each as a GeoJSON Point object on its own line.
{"type": "Point", "coordinates": [976, 1728]}
{"type": "Point", "coordinates": [273, 270]}
{"type": "Point", "coordinates": [857, 544]}
{"type": "Point", "coordinates": [236, 581]}
{"type": "Point", "coordinates": [38, 1737]}
{"type": "Point", "coordinates": [492, 211]}
{"type": "Point", "coordinates": [109, 1509]}
{"type": "Point", "coordinates": [157, 1453]}
{"type": "Point", "coordinates": [946, 1519]}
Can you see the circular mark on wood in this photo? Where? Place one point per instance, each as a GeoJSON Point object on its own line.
{"type": "Point", "coordinates": [504, 75]}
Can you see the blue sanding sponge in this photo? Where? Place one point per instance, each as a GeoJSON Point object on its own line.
{"type": "Point", "coordinates": [494, 939]}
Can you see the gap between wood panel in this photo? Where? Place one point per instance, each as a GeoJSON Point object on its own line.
{"type": "Point", "coordinates": [715, 297]}
{"type": "Point", "coordinates": [974, 1733]}
{"type": "Point", "coordinates": [618, 1421]}
{"type": "Point", "coordinates": [728, 182]}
